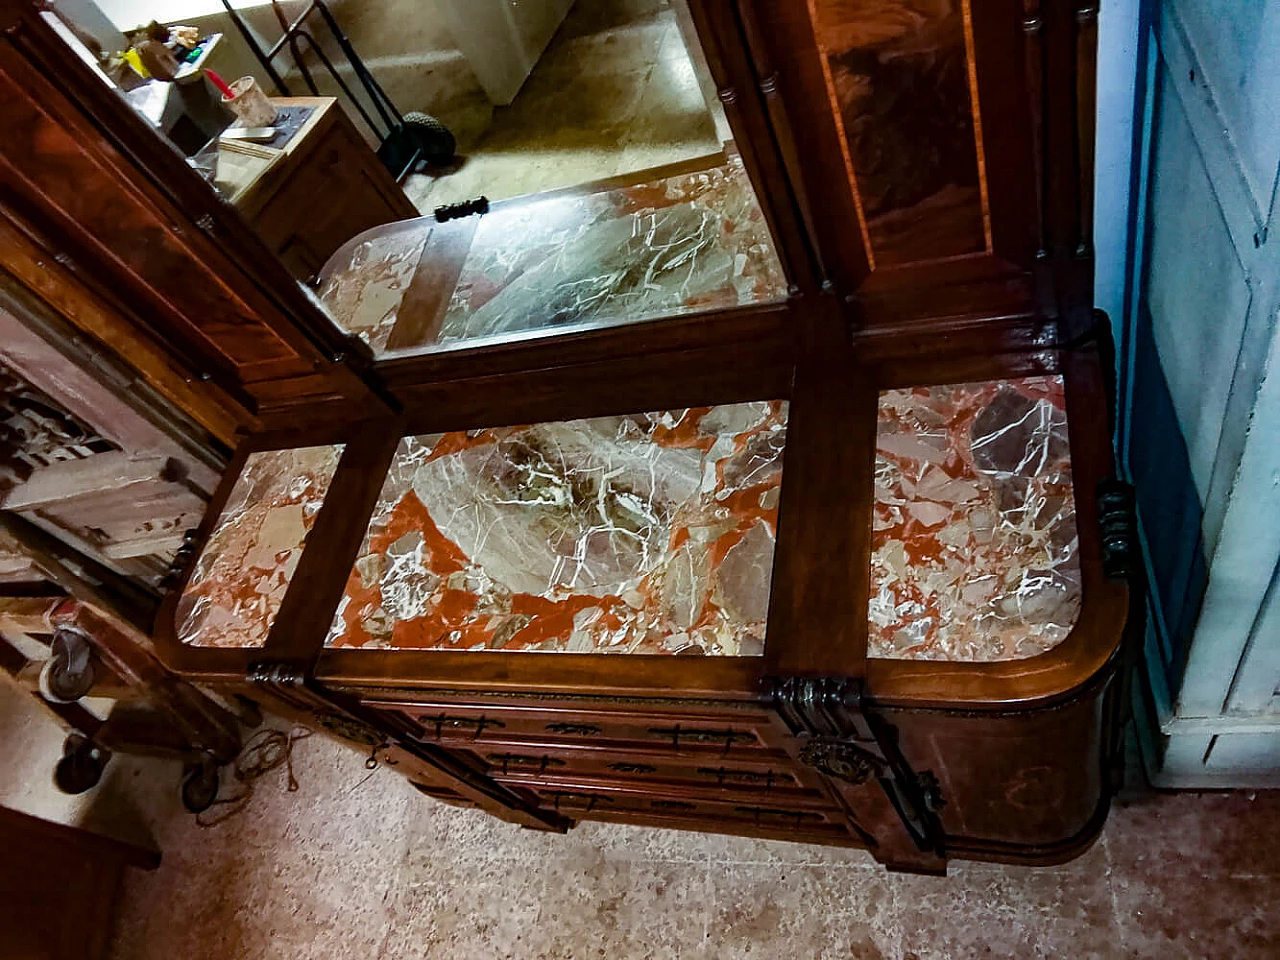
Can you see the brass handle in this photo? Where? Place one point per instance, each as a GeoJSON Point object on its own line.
{"type": "Point", "coordinates": [590, 799]}
{"type": "Point", "coordinates": [575, 729]}
{"type": "Point", "coordinates": [677, 733]}
{"type": "Point", "coordinates": [762, 814]}
{"type": "Point", "coordinates": [725, 775]}
{"type": "Point", "coordinates": [672, 805]}
{"type": "Point", "coordinates": [480, 724]}
{"type": "Point", "coordinates": [640, 768]}
{"type": "Point", "coordinates": [509, 760]}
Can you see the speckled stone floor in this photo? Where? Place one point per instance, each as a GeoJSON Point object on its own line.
{"type": "Point", "coordinates": [358, 865]}
{"type": "Point", "coordinates": [614, 93]}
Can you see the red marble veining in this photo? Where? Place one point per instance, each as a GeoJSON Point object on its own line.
{"type": "Point", "coordinates": [244, 570]}
{"type": "Point", "coordinates": [975, 555]}
{"type": "Point", "coordinates": [689, 242]}
{"type": "Point", "coordinates": [650, 533]}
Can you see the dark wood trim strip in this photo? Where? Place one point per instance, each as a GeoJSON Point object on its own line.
{"type": "Point", "coordinates": [732, 72]}
{"type": "Point", "coordinates": [765, 325]}
{"type": "Point", "coordinates": [821, 574]}
{"type": "Point", "coordinates": [307, 611]}
{"type": "Point", "coordinates": [594, 674]}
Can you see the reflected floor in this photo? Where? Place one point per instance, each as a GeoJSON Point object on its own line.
{"type": "Point", "coordinates": [615, 92]}
{"type": "Point", "coordinates": [689, 241]}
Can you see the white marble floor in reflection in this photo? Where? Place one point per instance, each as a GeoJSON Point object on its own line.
{"type": "Point", "coordinates": [614, 93]}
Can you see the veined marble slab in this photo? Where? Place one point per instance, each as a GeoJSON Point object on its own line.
{"type": "Point", "coordinates": [654, 533]}
{"type": "Point", "coordinates": [651, 533]}
{"type": "Point", "coordinates": [975, 553]}
{"type": "Point", "coordinates": [244, 570]}
{"type": "Point", "coordinates": [677, 245]}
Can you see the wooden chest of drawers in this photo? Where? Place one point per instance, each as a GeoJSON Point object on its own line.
{"type": "Point", "coordinates": [770, 494]}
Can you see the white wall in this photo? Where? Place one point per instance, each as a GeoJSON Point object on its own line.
{"type": "Point", "coordinates": [1208, 279]}
{"type": "Point", "coordinates": [1117, 77]}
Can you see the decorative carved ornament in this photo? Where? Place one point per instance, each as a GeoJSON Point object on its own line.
{"type": "Point", "coordinates": [841, 760]}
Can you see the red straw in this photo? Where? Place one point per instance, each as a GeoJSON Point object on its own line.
{"type": "Point", "coordinates": [221, 84]}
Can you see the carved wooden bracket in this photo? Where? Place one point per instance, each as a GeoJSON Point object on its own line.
{"type": "Point", "coordinates": [841, 740]}
{"type": "Point", "coordinates": [1118, 520]}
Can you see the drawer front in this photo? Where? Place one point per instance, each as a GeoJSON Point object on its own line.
{"type": "Point", "coordinates": [754, 813]}
{"type": "Point", "coordinates": [708, 735]}
{"type": "Point", "coordinates": [672, 820]}
{"type": "Point", "coordinates": [662, 772]}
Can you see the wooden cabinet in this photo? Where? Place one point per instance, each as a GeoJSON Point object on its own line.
{"type": "Point", "coordinates": [328, 188]}
{"type": "Point", "coordinates": [813, 537]}
{"type": "Point", "coordinates": [694, 660]}
{"type": "Point", "coordinates": [58, 887]}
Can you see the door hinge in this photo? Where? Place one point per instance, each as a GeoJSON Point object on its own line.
{"type": "Point", "coordinates": [1118, 523]}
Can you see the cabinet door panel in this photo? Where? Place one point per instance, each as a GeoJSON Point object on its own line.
{"type": "Point", "coordinates": [926, 138]}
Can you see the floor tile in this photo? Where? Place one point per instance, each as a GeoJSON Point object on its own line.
{"type": "Point", "coordinates": [634, 43]}
{"type": "Point", "coordinates": [434, 829]}
{"type": "Point", "coordinates": [725, 848]}
{"type": "Point", "coordinates": [466, 910]}
{"type": "Point", "coordinates": [769, 911]}
{"type": "Point", "coordinates": [293, 874]}
{"type": "Point", "coordinates": [1166, 914]}
{"type": "Point", "coordinates": [595, 907]}
{"type": "Point", "coordinates": [614, 93]}
{"type": "Point", "coordinates": [625, 842]}
{"type": "Point", "coordinates": [1001, 911]}
{"type": "Point", "coordinates": [1210, 833]}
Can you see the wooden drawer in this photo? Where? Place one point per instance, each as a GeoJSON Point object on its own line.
{"type": "Point", "coordinates": [827, 833]}
{"type": "Point", "coordinates": [709, 735]}
{"type": "Point", "coordinates": [769, 778]}
{"type": "Point", "coordinates": [422, 775]}
{"type": "Point", "coordinates": [629, 804]}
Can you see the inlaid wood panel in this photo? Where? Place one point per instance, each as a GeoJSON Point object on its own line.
{"type": "Point", "coordinates": [902, 84]}
{"type": "Point", "coordinates": [947, 151]}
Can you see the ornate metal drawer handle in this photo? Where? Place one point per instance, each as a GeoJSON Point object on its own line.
{"type": "Point", "coordinates": [726, 775]}
{"type": "Point", "coordinates": [509, 760]}
{"type": "Point", "coordinates": [762, 814]}
{"type": "Point", "coordinates": [591, 799]}
{"type": "Point", "coordinates": [641, 768]}
{"type": "Point", "coordinates": [575, 729]}
{"type": "Point", "coordinates": [677, 733]}
{"type": "Point", "coordinates": [672, 805]}
{"type": "Point", "coordinates": [479, 724]}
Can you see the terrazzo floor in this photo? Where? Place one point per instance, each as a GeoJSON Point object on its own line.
{"type": "Point", "coordinates": [614, 93]}
{"type": "Point", "coordinates": [358, 865]}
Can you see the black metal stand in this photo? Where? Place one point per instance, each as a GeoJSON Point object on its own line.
{"type": "Point", "coordinates": [400, 147]}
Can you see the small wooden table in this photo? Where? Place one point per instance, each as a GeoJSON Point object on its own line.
{"type": "Point", "coordinates": [326, 187]}
{"type": "Point", "coordinates": [59, 886]}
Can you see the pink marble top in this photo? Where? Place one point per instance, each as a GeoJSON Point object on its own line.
{"type": "Point", "coordinates": [654, 533]}
{"type": "Point", "coordinates": [240, 579]}
{"type": "Point", "coordinates": [975, 555]}
{"type": "Point", "coordinates": [649, 533]}
{"type": "Point", "coordinates": [544, 264]}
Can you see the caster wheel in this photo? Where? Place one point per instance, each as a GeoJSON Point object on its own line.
{"type": "Point", "coordinates": [81, 765]}
{"type": "Point", "coordinates": [68, 675]}
{"type": "Point", "coordinates": [247, 711]}
{"type": "Point", "coordinates": [200, 786]}
{"type": "Point", "coordinates": [433, 138]}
